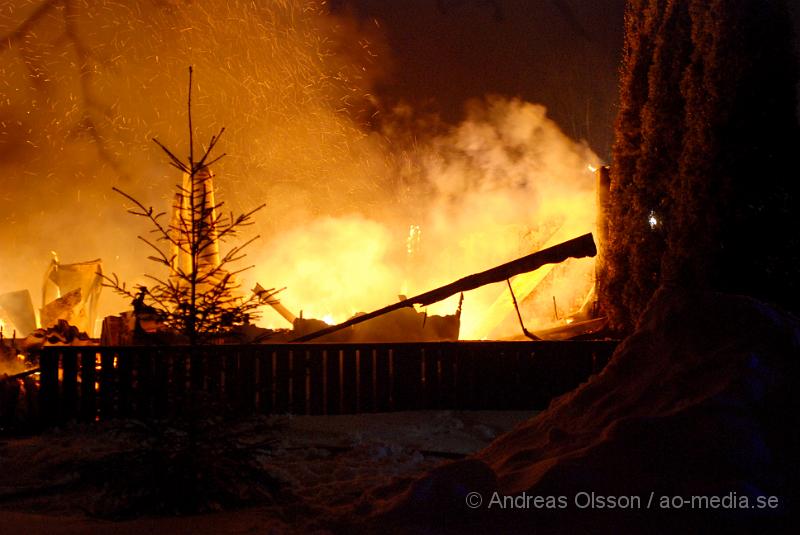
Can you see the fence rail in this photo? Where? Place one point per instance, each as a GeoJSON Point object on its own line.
{"type": "Point", "coordinates": [99, 383]}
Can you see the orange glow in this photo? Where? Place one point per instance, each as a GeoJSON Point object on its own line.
{"type": "Point", "coordinates": [354, 216]}
{"type": "Point", "coordinates": [483, 205]}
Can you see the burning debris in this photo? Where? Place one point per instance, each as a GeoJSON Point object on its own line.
{"type": "Point", "coordinates": [17, 307]}
{"type": "Point", "coordinates": [397, 325]}
{"type": "Point", "coordinates": [70, 296]}
{"type": "Point", "coordinates": [62, 333]}
{"type": "Point", "coordinates": [578, 247]}
{"type": "Point", "coordinates": [462, 196]}
{"type": "Point", "coordinates": [71, 293]}
{"type": "Point", "coordinates": [199, 297]}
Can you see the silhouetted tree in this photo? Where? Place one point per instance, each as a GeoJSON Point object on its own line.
{"type": "Point", "coordinates": [641, 21]}
{"type": "Point", "coordinates": [198, 296]}
{"type": "Point", "coordinates": [704, 139]}
{"type": "Point", "coordinates": [736, 197]}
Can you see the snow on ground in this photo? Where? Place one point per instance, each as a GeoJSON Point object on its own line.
{"type": "Point", "coordinates": [698, 404]}
{"type": "Point", "coordinates": [281, 473]}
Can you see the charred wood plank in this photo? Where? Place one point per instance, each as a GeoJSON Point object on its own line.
{"type": "Point", "coordinates": [580, 247]}
{"type": "Point", "coordinates": [20, 375]}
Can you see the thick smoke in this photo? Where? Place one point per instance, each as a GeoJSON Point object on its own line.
{"type": "Point", "coordinates": [78, 111]}
{"type": "Point", "coordinates": [505, 182]}
{"type": "Point", "coordinates": [497, 186]}
{"type": "Point", "coordinates": [292, 85]}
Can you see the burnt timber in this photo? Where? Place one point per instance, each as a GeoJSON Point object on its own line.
{"type": "Point", "coordinates": [579, 247]}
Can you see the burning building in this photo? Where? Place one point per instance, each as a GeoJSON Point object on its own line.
{"type": "Point", "coordinates": [70, 293]}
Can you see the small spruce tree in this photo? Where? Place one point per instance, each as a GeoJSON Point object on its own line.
{"type": "Point", "coordinates": [198, 297]}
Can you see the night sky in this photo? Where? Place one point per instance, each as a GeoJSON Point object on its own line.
{"type": "Point", "coordinates": [560, 53]}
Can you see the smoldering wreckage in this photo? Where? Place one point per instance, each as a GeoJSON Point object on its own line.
{"type": "Point", "coordinates": [71, 293]}
{"type": "Point", "coordinates": [68, 317]}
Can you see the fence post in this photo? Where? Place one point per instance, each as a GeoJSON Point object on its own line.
{"type": "Point", "coordinates": [383, 378]}
{"type": "Point", "coordinates": [298, 380]}
{"type": "Point", "coordinates": [282, 379]}
{"type": "Point", "coordinates": [69, 384]}
{"type": "Point", "coordinates": [265, 381]}
{"type": "Point", "coordinates": [48, 386]}
{"type": "Point", "coordinates": [247, 372]}
{"type": "Point", "coordinates": [316, 380]}
{"type": "Point", "coordinates": [125, 380]}
{"type": "Point", "coordinates": [332, 392]}
{"type": "Point", "coordinates": [161, 383]}
{"type": "Point", "coordinates": [349, 384]}
{"type": "Point", "coordinates": [88, 380]}
{"type": "Point", "coordinates": [408, 380]}
{"type": "Point", "coordinates": [107, 385]}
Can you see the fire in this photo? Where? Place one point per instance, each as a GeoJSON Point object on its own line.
{"type": "Point", "coordinates": [495, 318]}
{"type": "Point", "coordinates": [346, 207]}
{"type": "Point", "coordinates": [480, 204]}
{"type": "Point", "coordinates": [413, 240]}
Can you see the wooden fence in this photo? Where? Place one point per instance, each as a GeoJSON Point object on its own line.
{"type": "Point", "coordinates": [99, 383]}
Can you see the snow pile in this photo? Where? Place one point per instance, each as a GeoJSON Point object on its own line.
{"type": "Point", "coordinates": [327, 463]}
{"type": "Point", "coordinates": [296, 472]}
{"type": "Point", "coordinates": [695, 403]}
{"type": "Point", "coordinates": [124, 469]}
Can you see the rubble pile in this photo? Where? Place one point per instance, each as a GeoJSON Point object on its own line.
{"type": "Point", "coordinates": [62, 333]}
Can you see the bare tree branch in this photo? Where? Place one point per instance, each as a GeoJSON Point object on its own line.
{"type": "Point", "coordinates": [175, 160]}
{"type": "Point", "coordinates": [148, 213]}
{"type": "Point", "coordinates": [85, 62]}
{"type": "Point", "coordinates": [26, 26]}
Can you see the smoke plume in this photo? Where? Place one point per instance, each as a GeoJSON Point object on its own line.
{"type": "Point", "coordinates": [357, 212]}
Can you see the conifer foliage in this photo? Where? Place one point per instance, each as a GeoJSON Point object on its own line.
{"type": "Point", "coordinates": [198, 297]}
{"type": "Point", "coordinates": [703, 143]}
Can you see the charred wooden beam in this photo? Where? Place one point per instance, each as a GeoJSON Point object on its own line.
{"type": "Point", "coordinates": [19, 375]}
{"type": "Point", "coordinates": [580, 247]}
{"type": "Point", "coordinates": [268, 296]}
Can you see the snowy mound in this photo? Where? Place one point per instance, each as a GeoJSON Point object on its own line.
{"type": "Point", "coordinates": [694, 406]}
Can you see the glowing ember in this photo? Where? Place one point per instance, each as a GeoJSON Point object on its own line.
{"type": "Point", "coordinates": [414, 237]}
{"type": "Point", "coordinates": [652, 220]}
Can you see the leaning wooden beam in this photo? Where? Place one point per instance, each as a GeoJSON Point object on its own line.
{"type": "Point", "coordinates": [580, 247]}
{"type": "Point", "coordinates": [19, 375]}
